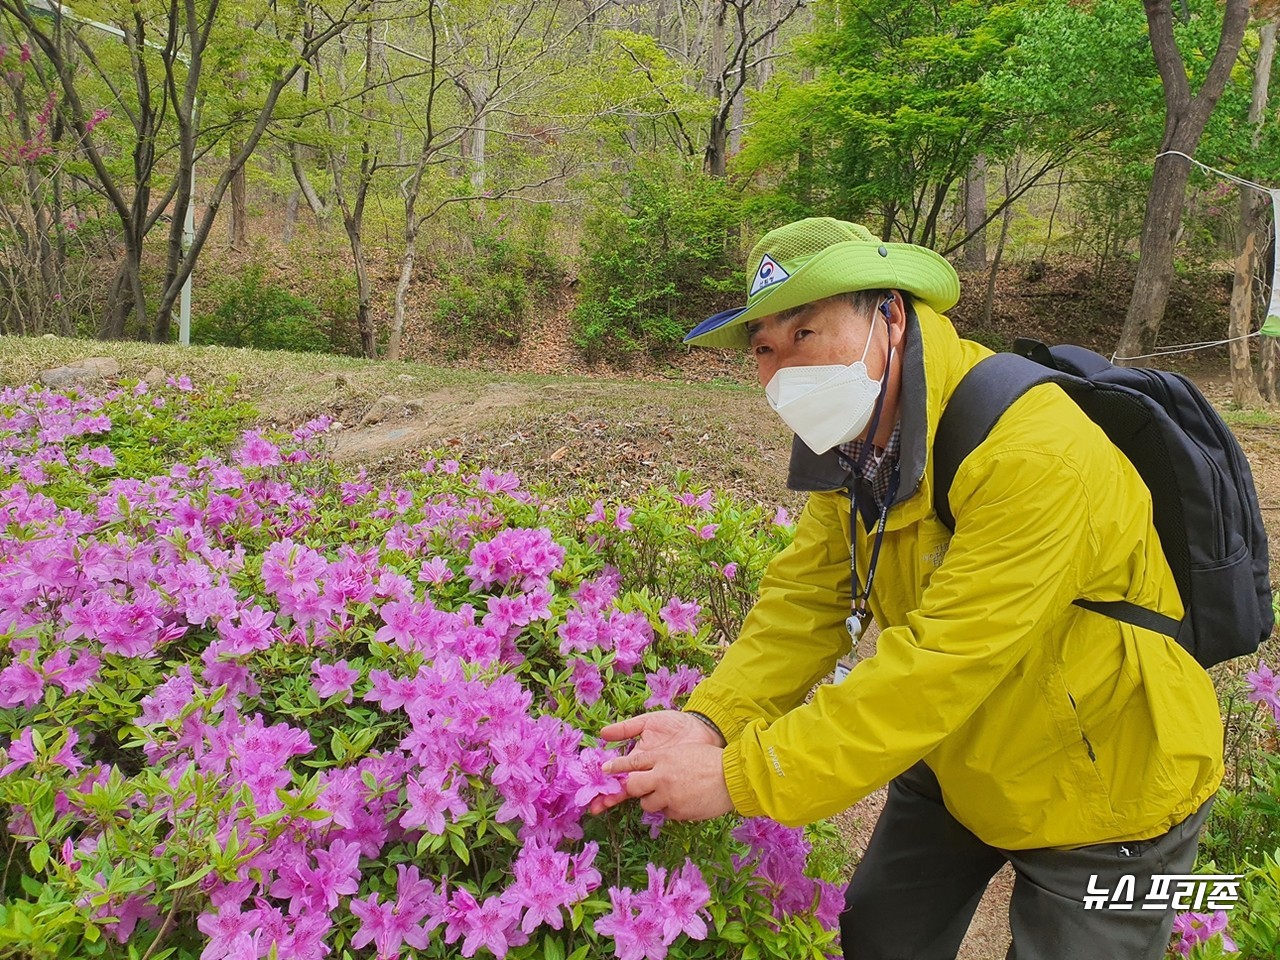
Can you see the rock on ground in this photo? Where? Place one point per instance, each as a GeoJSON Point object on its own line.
{"type": "Point", "coordinates": [382, 408]}
{"type": "Point", "coordinates": [89, 369]}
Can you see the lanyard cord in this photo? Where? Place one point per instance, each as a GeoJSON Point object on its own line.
{"type": "Point", "coordinates": [860, 605]}
{"type": "Point", "coordinates": [860, 608]}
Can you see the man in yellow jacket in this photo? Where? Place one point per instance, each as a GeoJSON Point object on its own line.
{"type": "Point", "coordinates": [1010, 724]}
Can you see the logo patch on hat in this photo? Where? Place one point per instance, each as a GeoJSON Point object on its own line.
{"type": "Point", "coordinates": [767, 274]}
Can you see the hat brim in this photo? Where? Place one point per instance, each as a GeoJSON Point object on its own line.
{"type": "Point", "coordinates": [839, 268]}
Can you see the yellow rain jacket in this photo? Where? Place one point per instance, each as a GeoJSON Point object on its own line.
{"type": "Point", "coordinates": [1047, 725]}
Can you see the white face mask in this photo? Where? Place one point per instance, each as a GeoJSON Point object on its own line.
{"type": "Point", "coordinates": [825, 405]}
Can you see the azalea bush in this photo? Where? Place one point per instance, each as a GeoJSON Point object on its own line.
{"type": "Point", "coordinates": [1241, 835]}
{"type": "Point", "coordinates": [254, 706]}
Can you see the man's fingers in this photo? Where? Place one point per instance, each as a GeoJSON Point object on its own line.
{"type": "Point", "coordinates": [627, 729]}
{"type": "Point", "coordinates": [629, 763]}
{"type": "Point", "coordinates": [652, 803]}
{"type": "Point", "coordinates": [641, 784]}
{"type": "Point", "coordinates": [638, 784]}
{"type": "Point", "coordinates": [608, 802]}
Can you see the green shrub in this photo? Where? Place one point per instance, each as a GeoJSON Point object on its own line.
{"type": "Point", "coordinates": [490, 288]}
{"type": "Point", "coordinates": [335, 294]}
{"type": "Point", "coordinates": [254, 313]}
{"type": "Point", "coordinates": [1255, 925]}
{"type": "Point", "coordinates": [657, 264]}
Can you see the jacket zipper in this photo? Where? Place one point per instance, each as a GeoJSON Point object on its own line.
{"type": "Point", "coordinates": [1087, 745]}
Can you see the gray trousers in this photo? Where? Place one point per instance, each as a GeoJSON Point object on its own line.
{"type": "Point", "coordinates": [916, 889]}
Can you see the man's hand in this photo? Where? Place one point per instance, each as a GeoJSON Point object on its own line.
{"type": "Point", "coordinates": [684, 781]}
{"type": "Point", "coordinates": [664, 740]}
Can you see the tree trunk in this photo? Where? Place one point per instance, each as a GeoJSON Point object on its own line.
{"type": "Point", "coordinates": [989, 301]}
{"type": "Point", "coordinates": [717, 146]}
{"type": "Point", "coordinates": [765, 71]}
{"type": "Point", "coordinates": [1270, 351]}
{"type": "Point", "coordinates": [478, 92]}
{"type": "Point", "coordinates": [735, 121]}
{"type": "Point", "coordinates": [402, 293]}
{"type": "Point", "coordinates": [139, 297]}
{"type": "Point", "coordinates": [1154, 276]}
{"type": "Point", "coordinates": [238, 225]}
{"type": "Point", "coordinates": [117, 305]}
{"type": "Point", "coordinates": [975, 213]}
{"type": "Point", "coordinates": [718, 137]}
{"type": "Point", "coordinates": [291, 216]}
{"type": "Point", "coordinates": [1244, 389]}
{"type": "Point", "coordinates": [1185, 120]}
{"type": "Point", "coordinates": [364, 291]}
{"type": "Point", "coordinates": [318, 207]}
{"type": "Point", "coordinates": [1244, 385]}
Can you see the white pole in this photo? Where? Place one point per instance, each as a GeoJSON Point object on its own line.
{"type": "Point", "coordinates": [188, 237]}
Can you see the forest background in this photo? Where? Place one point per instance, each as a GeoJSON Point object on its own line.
{"type": "Point", "coordinates": [550, 186]}
{"type": "Point", "coordinates": [419, 180]}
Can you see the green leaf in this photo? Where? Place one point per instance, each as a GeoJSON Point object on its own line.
{"type": "Point", "coordinates": [552, 949]}
{"type": "Point", "coordinates": [460, 848]}
{"type": "Point", "coordinates": [39, 856]}
{"type": "Point", "coordinates": [193, 878]}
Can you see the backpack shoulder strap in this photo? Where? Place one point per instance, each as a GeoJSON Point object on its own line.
{"type": "Point", "coordinates": [980, 399]}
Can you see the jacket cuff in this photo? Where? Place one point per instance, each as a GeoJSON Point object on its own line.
{"type": "Point", "coordinates": [735, 778]}
{"type": "Point", "coordinates": [730, 727]}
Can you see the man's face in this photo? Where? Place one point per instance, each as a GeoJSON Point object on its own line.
{"type": "Point", "coordinates": [824, 332]}
{"type": "Point", "coordinates": [831, 331]}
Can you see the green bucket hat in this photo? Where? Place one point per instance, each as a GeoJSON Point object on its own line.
{"type": "Point", "coordinates": [820, 257]}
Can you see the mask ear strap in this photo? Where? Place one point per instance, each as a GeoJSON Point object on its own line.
{"type": "Point", "coordinates": [879, 407]}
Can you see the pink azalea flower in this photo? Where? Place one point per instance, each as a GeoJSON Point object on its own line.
{"type": "Point", "coordinates": [333, 678]}
{"type": "Point", "coordinates": [255, 451]}
{"type": "Point", "coordinates": [436, 570]}
{"type": "Point", "coordinates": [1264, 687]}
{"type": "Point", "coordinates": [666, 686]}
{"type": "Point", "coordinates": [21, 752]}
{"type": "Point", "coordinates": [65, 757]}
{"type": "Point", "coordinates": [588, 685]}
{"type": "Point", "coordinates": [383, 925]}
{"type": "Point", "coordinates": [1193, 929]}
{"type": "Point", "coordinates": [637, 934]}
{"type": "Point", "coordinates": [587, 771]}
{"type": "Point", "coordinates": [701, 500]}
{"type": "Point", "coordinates": [429, 800]}
{"type": "Point", "coordinates": [683, 904]}
{"type": "Point", "coordinates": [680, 617]}
{"type": "Point", "coordinates": [20, 684]}
{"type": "Point", "coordinates": [542, 886]}
{"type": "Point", "coordinates": [492, 924]}
{"type": "Point", "coordinates": [134, 908]}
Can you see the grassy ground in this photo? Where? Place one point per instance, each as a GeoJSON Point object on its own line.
{"type": "Point", "coordinates": [580, 432]}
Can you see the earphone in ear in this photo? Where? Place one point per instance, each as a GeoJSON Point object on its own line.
{"type": "Point", "coordinates": [884, 307]}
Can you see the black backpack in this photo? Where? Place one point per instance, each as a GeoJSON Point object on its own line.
{"type": "Point", "coordinates": [1205, 505]}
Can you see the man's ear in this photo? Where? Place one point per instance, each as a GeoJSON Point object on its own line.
{"type": "Point", "coordinates": [896, 315]}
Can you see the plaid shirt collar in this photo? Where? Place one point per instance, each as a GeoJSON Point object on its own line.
{"type": "Point", "coordinates": [879, 470]}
